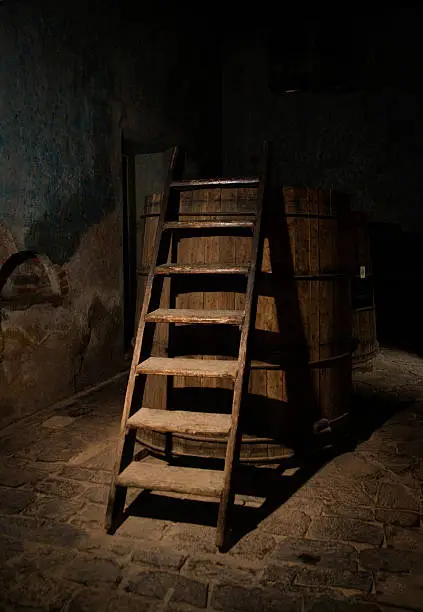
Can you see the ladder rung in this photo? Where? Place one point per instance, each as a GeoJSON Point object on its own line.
{"type": "Point", "coordinates": [172, 478]}
{"type": "Point", "coordinates": [189, 315]}
{"type": "Point", "coordinates": [190, 268]}
{"type": "Point", "coordinates": [184, 225]}
{"type": "Point", "coordinates": [181, 421]}
{"type": "Point", "coordinates": [215, 213]}
{"type": "Point", "coordinates": [251, 181]}
{"type": "Point", "coordinates": [179, 366]}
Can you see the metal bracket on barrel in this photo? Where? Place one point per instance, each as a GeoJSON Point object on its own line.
{"type": "Point", "coordinates": [321, 427]}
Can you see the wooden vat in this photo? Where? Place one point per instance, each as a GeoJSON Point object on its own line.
{"type": "Point", "coordinates": [364, 335]}
{"type": "Point", "coordinates": [300, 376]}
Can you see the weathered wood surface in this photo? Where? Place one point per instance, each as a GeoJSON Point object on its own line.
{"type": "Point", "coordinates": [364, 331]}
{"type": "Point", "coordinates": [303, 319]}
{"type": "Point", "coordinates": [216, 182]}
{"type": "Point", "coordinates": [155, 394]}
{"type": "Point", "coordinates": [302, 335]}
{"type": "Point", "coordinates": [181, 421]}
{"type": "Point", "coordinates": [219, 214]}
{"type": "Point", "coordinates": [233, 446]}
{"type": "Point", "coordinates": [154, 477]}
{"type": "Point", "coordinates": [183, 225]}
{"type": "Point", "coordinates": [196, 268]}
{"type": "Point", "coordinates": [186, 252]}
{"type": "Point", "coordinates": [190, 315]}
{"type": "Point", "coordinates": [188, 367]}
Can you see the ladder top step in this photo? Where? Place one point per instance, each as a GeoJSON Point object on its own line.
{"type": "Point", "coordinates": [210, 368]}
{"type": "Point", "coordinates": [192, 268]}
{"type": "Point", "coordinates": [182, 225]}
{"type": "Point", "coordinates": [172, 479]}
{"type": "Point", "coordinates": [189, 315]}
{"type": "Point", "coordinates": [249, 181]}
{"type": "Point", "coordinates": [181, 421]}
{"type": "Point", "coordinates": [215, 213]}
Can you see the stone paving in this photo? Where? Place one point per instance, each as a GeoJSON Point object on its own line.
{"type": "Point", "coordinates": [345, 535]}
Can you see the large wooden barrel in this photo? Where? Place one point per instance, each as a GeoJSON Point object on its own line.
{"type": "Point", "coordinates": [365, 344]}
{"type": "Point", "coordinates": [300, 376]}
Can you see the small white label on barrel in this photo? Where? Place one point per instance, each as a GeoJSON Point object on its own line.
{"type": "Point", "coordinates": [362, 271]}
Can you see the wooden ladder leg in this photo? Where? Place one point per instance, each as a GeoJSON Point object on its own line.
{"type": "Point", "coordinates": [117, 494]}
{"type": "Point", "coordinates": [232, 449]}
{"type": "Point", "coordinates": [124, 450]}
{"type": "Point", "coordinates": [126, 444]}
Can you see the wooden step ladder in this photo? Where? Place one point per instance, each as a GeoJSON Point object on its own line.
{"type": "Point", "coordinates": [155, 477]}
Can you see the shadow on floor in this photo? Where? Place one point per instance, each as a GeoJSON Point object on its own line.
{"type": "Point", "coordinates": [275, 484]}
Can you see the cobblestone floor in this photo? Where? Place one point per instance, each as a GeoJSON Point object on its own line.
{"type": "Point", "coordinates": [344, 536]}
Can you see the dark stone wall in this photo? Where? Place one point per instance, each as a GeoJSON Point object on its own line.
{"type": "Point", "coordinates": [56, 125]}
{"type": "Point", "coordinates": [365, 140]}
{"type": "Point", "coordinates": [74, 78]}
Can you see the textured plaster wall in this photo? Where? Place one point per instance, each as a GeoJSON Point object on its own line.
{"type": "Point", "coordinates": [73, 79]}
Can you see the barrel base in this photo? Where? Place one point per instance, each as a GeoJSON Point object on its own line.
{"type": "Point", "coordinates": [254, 450]}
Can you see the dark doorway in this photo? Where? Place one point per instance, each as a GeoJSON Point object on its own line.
{"type": "Point", "coordinates": [143, 175]}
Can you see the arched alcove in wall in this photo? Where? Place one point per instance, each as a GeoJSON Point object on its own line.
{"type": "Point", "coordinates": [28, 277]}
